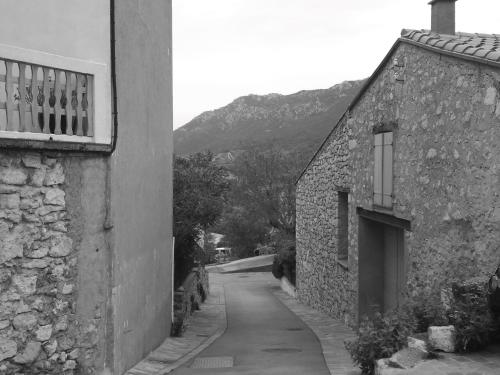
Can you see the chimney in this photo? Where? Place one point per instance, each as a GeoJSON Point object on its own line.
{"type": "Point", "coordinates": [443, 16]}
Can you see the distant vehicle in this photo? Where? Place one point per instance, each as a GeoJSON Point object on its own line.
{"type": "Point", "coordinates": [223, 254]}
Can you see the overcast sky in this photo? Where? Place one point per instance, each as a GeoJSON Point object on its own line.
{"type": "Point", "coordinates": [224, 49]}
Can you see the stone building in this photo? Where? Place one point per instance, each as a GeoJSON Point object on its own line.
{"type": "Point", "coordinates": [403, 195]}
{"type": "Point", "coordinates": [85, 184]}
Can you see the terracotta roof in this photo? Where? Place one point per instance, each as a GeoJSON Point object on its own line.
{"type": "Point", "coordinates": [481, 46]}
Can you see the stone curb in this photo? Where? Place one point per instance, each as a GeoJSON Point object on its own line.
{"type": "Point", "coordinates": [151, 365]}
{"type": "Point", "coordinates": [330, 333]}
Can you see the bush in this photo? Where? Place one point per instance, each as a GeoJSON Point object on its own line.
{"type": "Point", "coordinates": [428, 310]}
{"type": "Point", "coordinates": [470, 314]}
{"type": "Point", "coordinates": [284, 263]}
{"type": "Point", "coordinates": [380, 337]}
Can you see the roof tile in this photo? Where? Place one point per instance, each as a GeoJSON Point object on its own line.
{"type": "Point", "coordinates": [483, 46]}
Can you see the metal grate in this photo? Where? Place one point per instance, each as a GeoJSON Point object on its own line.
{"type": "Point", "coordinates": [213, 362]}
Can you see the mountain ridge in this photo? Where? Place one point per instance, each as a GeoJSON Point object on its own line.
{"type": "Point", "coordinates": [296, 122]}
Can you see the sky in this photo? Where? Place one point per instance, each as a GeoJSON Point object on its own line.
{"type": "Point", "coordinates": [224, 49]}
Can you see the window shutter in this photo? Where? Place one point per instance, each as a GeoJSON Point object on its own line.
{"type": "Point", "coordinates": [387, 170]}
{"type": "Point", "coordinates": [378, 178]}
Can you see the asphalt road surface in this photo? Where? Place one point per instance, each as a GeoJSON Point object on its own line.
{"type": "Point", "coordinates": [263, 337]}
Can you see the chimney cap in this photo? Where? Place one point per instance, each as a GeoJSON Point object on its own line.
{"type": "Point", "coordinates": [432, 2]}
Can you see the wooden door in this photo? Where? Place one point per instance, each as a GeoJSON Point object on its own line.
{"type": "Point", "coordinates": [394, 267]}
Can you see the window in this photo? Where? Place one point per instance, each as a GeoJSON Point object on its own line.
{"type": "Point", "coordinates": [49, 98]}
{"type": "Point", "coordinates": [382, 180]}
{"type": "Point", "coordinates": [343, 227]}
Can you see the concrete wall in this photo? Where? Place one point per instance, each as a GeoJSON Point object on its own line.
{"type": "Point", "coordinates": [78, 29]}
{"type": "Point", "coordinates": [446, 178]}
{"type": "Point", "coordinates": [141, 180]}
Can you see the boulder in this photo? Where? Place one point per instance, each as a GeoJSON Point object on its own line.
{"type": "Point", "coordinates": [416, 343]}
{"type": "Point", "coordinates": [407, 358]}
{"type": "Point", "coordinates": [442, 338]}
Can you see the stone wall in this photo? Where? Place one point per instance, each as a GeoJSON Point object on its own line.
{"type": "Point", "coordinates": [188, 298]}
{"type": "Point", "coordinates": [41, 328]}
{"type": "Point", "coordinates": [446, 178]}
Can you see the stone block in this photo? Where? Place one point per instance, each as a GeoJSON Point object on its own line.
{"type": "Point", "coordinates": [10, 249]}
{"type": "Point", "coordinates": [442, 338]}
{"type": "Point", "coordinates": [37, 263]}
{"type": "Point", "coordinates": [44, 333]}
{"type": "Point", "coordinates": [9, 201]}
{"type": "Point", "coordinates": [13, 176]}
{"type": "Point", "coordinates": [38, 177]}
{"type": "Point", "coordinates": [8, 348]}
{"type": "Point", "coordinates": [50, 348]}
{"type": "Point", "coordinates": [54, 176]}
{"type": "Point", "coordinates": [32, 160]}
{"type": "Point", "coordinates": [55, 197]}
{"type": "Point", "coordinates": [25, 284]}
{"type": "Point", "coordinates": [61, 246]}
{"type": "Point", "coordinates": [29, 354]}
{"type": "Point", "coordinates": [407, 358]}
{"type": "Point", "coordinates": [416, 343]}
{"type": "Point", "coordinates": [4, 324]}
{"type": "Point", "coordinates": [26, 321]}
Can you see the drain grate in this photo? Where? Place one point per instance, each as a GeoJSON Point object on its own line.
{"type": "Point", "coordinates": [213, 362]}
{"type": "Point", "coordinates": [282, 350]}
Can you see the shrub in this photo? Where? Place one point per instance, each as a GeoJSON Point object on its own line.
{"type": "Point", "coordinates": [380, 337]}
{"type": "Point", "coordinates": [470, 314]}
{"type": "Point", "coordinates": [428, 310]}
{"type": "Point", "coordinates": [284, 263]}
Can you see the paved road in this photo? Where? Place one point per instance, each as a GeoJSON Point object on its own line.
{"type": "Point", "coordinates": [263, 337]}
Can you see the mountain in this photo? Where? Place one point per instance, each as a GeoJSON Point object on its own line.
{"type": "Point", "coordinates": [295, 123]}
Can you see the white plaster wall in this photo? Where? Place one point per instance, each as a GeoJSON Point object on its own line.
{"type": "Point", "coordinates": [70, 28]}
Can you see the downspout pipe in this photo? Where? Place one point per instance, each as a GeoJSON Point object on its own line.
{"type": "Point", "coordinates": [114, 111]}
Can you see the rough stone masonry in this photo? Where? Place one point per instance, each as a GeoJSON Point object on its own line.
{"type": "Point", "coordinates": [38, 270]}
{"type": "Point", "coordinates": [446, 179]}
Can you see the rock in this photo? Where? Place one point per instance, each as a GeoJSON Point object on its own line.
{"type": "Point", "coordinates": [67, 289]}
{"type": "Point", "coordinates": [23, 308]}
{"type": "Point", "coordinates": [50, 348]}
{"type": "Point", "coordinates": [32, 160]}
{"type": "Point", "coordinates": [8, 348]}
{"type": "Point", "coordinates": [382, 368]}
{"type": "Point", "coordinates": [13, 176]}
{"type": "Point", "coordinates": [491, 95]}
{"type": "Point", "coordinates": [37, 263]}
{"type": "Point", "coordinates": [39, 253]}
{"type": "Point", "coordinates": [26, 321]}
{"type": "Point", "coordinates": [4, 324]}
{"type": "Point", "coordinates": [25, 284]}
{"type": "Point", "coordinates": [61, 247]}
{"type": "Point", "coordinates": [50, 162]}
{"type": "Point", "coordinates": [69, 365]}
{"type": "Point", "coordinates": [74, 354]}
{"type": "Point", "coordinates": [10, 249]}
{"type": "Point", "coordinates": [62, 324]}
{"type": "Point", "coordinates": [442, 338]}
{"type": "Point", "coordinates": [5, 275]}
{"type": "Point", "coordinates": [46, 210]}
{"type": "Point", "coordinates": [407, 358]}
{"type": "Point", "coordinates": [38, 177]}
{"type": "Point", "coordinates": [417, 344]}
{"type": "Point", "coordinates": [44, 333]}
{"type": "Point", "coordinates": [30, 353]}
{"type": "Point", "coordinates": [55, 197]}
{"type": "Point", "coordinates": [10, 201]}
{"type": "Point", "coordinates": [66, 342]}
{"type": "Point", "coordinates": [432, 153]}
{"type": "Point", "coordinates": [54, 176]}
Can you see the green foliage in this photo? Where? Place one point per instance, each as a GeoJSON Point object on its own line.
{"type": "Point", "coordinates": [200, 189]}
{"type": "Point", "coordinates": [284, 263]}
{"type": "Point", "coordinates": [428, 310]}
{"type": "Point", "coordinates": [262, 199]}
{"type": "Point", "coordinates": [380, 337]}
{"type": "Point", "coordinates": [470, 314]}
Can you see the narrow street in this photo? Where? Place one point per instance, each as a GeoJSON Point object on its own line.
{"type": "Point", "coordinates": [263, 336]}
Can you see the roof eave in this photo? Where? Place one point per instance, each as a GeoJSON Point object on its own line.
{"type": "Point", "coordinates": [369, 81]}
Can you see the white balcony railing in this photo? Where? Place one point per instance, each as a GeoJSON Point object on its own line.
{"type": "Point", "coordinates": [45, 97]}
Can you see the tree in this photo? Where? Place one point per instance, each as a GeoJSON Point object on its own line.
{"type": "Point", "coordinates": [200, 189]}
